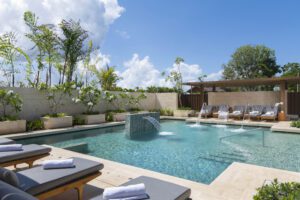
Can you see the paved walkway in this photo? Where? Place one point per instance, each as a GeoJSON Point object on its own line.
{"type": "Point", "coordinates": [238, 182]}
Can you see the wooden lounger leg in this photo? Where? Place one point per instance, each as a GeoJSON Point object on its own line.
{"type": "Point", "coordinates": [80, 192]}
{"type": "Point", "coordinates": [30, 163]}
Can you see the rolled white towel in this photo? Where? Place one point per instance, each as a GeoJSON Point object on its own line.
{"type": "Point", "coordinates": [124, 191]}
{"type": "Point", "coordinates": [138, 197]}
{"type": "Point", "coordinates": [254, 112]}
{"type": "Point", "coordinates": [237, 112]}
{"type": "Point", "coordinates": [269, 113]}
{"type": "Point", "coordinates": [11, 147]}
{"type": "Point", "coordinates": [58, 164]}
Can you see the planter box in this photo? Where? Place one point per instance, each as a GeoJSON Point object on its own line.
{"type": "Point", "coordinates": [8, 127]}
{"type": "Point", "coordinates": [183, 113]}
{"type": "Point", "coordinates": [57, 122]}
{"type": "Point", "coordinates": [120, 116]}
{"type": "Point", "coordinates": [93, 119]}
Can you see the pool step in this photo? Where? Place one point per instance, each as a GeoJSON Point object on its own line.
{"type": "Point", "coordinates": [79, 147]}
{"type": "Point", "coordinates": [223, 157]}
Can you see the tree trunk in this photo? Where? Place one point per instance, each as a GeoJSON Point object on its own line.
{"type": "Point", "coordinates": [13, 74]}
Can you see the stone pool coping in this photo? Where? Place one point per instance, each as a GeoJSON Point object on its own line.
{"type": "Point", "coordinates": [274, 126]}
{"type": "Point", "coordinates": [238, 182]}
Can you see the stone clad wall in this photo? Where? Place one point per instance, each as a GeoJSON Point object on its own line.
{"type": "Point", "coordinates": [244, 98]}
{"type": "Point", "coordinates": [36, 105]}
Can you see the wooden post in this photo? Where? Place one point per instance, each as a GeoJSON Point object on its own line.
{"type": "Point", "coordinates": [214, 88]}
{"type": "Point", "coordinates": [283, 87]}
{"type": "Point", "coordinates": [202, 95]}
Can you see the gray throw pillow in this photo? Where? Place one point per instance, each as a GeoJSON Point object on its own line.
{"type": "Point", "coordinates": [9, 177]}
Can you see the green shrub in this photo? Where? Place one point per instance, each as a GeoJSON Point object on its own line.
{"type": "Point", "coordinates": [295, 124]}
{"type": "Point", "coordinates": [8, 118]}
{"type": "Point", "coordinates": [10, 102]}
{"type": "Point", "coordinates": [34, 125]}
{"type": "Point", "coordinates": [166, 112]}
{"type": "Point", "coordinates": [55, 115]}
{"type": "Point", "coordinates": [278, 191]}
{"type": "Point", "coordinates": [109, 117]}
{"type": "Point", "coordinates": [78, 121]}
{"type": "Point", "coordinates": [134, 109]}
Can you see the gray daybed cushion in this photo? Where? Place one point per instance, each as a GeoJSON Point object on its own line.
{"type": "Point", "coordinates": [158, 189]}
{"type": "Point", "coordinates": [8, 192]}
{"type": "Point", "coordinates": [37, 180]}
{"type": "Point", "coordinates": [6, 141]}
{"type": "Point", "coordinates": [27, 152]}
{"type": "Point", "coordinates": [9, 177]}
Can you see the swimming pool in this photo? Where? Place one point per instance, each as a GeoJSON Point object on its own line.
{"type": "Point", "coordinates": [198, 153]}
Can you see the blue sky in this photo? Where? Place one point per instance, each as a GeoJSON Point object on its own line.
{"type": "Point", "coordinates": [143, 37]}
{"type": "Point", "coordinates": [204, 32]}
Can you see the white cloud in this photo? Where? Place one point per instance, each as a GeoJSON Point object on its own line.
{"type": "Point", "coordinates": [214, 76]}
{"type": "Point", "coordinates": [140, 72]}
{"type": "Point", "coordinates": [123, 34]}
{"type": "Point", "coordinates": [95, 15]}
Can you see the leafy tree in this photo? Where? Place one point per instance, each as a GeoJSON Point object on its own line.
{"type": "Point", "coordinates": [107, 77]}
{"type": "Point", "coordinates": [10, 54]}
{"type": "Point", "coordinates": [88, 97]}
{"type": "Point", "coordinates": [175, 77]}
{"type": "Point", "coordinates": [291, 69]}
{"type": "Point", "coordinates": [249, 62]}
{"type": "Point", "coordinates": [72, 44]}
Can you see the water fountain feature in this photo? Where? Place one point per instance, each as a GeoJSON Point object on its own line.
{"type": "Point", "coordinates": [198, 125]}
{"type": "Point", "coordinates": [241, 129]}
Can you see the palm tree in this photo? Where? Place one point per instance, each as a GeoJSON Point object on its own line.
{"type": "Point", "coordinates": [107, 77]}
{"type": "Point", "coordinates": [10, 53]}
{"type": "Point", "coordinates": [72, 45]}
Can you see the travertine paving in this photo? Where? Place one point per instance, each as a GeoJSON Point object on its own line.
{"type": "Point", "coordinates": [238, 182]}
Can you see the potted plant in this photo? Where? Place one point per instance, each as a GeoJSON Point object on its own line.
{"type": "Point", "coordinates": [10, 102]}
{"type": "Point", "coordinates": [55, 97]}
{"type": "Point", "coordinates": [90, 97]}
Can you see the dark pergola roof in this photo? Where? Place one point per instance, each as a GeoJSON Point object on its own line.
{"type": "Point", "coordinates": [246, 82]}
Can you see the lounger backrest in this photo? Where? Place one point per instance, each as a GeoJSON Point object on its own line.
{"type": "Point", "coordinates": [9, 192]}
{"type": "Point", "coordinates": [208, 108]}
{"type": "Point", "coordinates": [239, 108]}
{"type": "Point", "coordinates": [258, 108]}
{"type": "Point", "coordinates": [224, 108]}
{"type": "Point", "coordinates": [270, 108]}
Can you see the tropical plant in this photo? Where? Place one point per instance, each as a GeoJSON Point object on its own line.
{"type": "Point", "coordinates": [175, 77]}
{"type": "Point", "coordinates": [278, 191]}
{"type": "Point", "coordinates": [135, 99]}
{"type": "Point", "coordinates": [295, 124]}
{"type": "Point", "coordinates": [249, 62]}
{"type": "Point", "coordinates": [9, 102]}
{"type": "Point", "coordinates": [56, 95]}
{"type": "Point", "coordinates": [11, 53]}
{"type": "Point", "coordinates": [71, 44]}
{"type": "Point", "coordinates": [34, 125]}
{"type": "Point", "coordinates": [107, 77]}
{"type": "Point", "coordinates": [89, 97]}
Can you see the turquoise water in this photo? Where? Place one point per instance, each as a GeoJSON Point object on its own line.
{"type": "Point", "coordinates": [195, 153]}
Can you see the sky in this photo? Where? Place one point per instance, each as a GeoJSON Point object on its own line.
{"type": "Point", "coordinates": [143, 38]}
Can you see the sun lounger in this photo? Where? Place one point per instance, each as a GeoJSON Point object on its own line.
{"type": "Point", "coordinates": [206, 111]}
{"type": "Point", "coordinates": [256, 112]}
{"type": "Point", "coordinates": [238, 112]}
{"type": "Point", "coordinates": [157, 189]}
{"type": "Point", "coordinates": [8, 192]}
{"type": "Point", "coordinates": [222, 111]}
{"type": "Point", "coordinates": [271, 113]}
{"type": "Point", "coordinates": [29, 154]}
{"type": "Point", "coordinates": [6, 141]}
{"type": "Point", "coordinates": [44, 183]}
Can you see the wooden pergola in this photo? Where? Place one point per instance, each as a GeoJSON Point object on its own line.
{"type": "Point", "coordinates": [280, 81]}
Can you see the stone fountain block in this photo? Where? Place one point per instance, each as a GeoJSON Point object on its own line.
{"type": "Point", "coordinates": [136, 125]}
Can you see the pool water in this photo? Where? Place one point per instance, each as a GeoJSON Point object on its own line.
{"type": "Point", "coordinates": [198, 153]}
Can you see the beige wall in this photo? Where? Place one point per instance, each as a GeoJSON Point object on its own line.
{"type": "Point", "coordinates": [36, 105]}
{"type": "Point", "coordinates": [243, 98]}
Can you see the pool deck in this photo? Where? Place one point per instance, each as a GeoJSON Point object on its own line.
{"type": "Point", "coordinates": [238, 182]}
